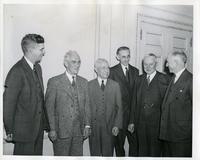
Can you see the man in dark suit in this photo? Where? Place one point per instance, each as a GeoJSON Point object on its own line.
{"type": "Point", "coordinates": [125, 75]}
{"type": "Point", "coordinates": [176, 117]}
{"type": "Point", "coordinates": [150, 91]}
{"type": "Point", "coordinates": [106, 111]}
{"type": "Point", "coordinates": [67, 105]}
{"type": "Point", "coordinates": [23, 99]}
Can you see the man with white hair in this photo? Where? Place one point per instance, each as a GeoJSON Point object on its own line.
{"type": "Point", "coordinates": [176, 117]}
{"type": "Point", "coordinates": [106, 110]}
{"type": "Point", "coordinates": [67, 105]}
{"type": "Point", "coordinates": [147, 100]}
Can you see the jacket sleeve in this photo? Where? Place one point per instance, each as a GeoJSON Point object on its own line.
{"type": "Point", "coordinates": [50, 100]}
{"type": "Point", "coordinates": [13, 87]}
{"type": "Point", "coordinates": [87, 115]}
{"type": "Point", "coordinates": [133, 106]}
{"type": "Point", "coordinates": [119, 113]}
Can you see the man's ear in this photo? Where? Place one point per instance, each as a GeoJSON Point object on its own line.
{"type": "Point", "coordinates": [117, 57]}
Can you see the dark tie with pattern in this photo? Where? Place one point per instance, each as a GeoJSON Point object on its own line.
{"type": "Point", "coordinates": [102, 85]}
{"type": "Point", "coordinates": [148, 79]}
{"type": "Point", "coordinates": [127, 74]}
{"type": "Point", "coordinates": [73, 81]}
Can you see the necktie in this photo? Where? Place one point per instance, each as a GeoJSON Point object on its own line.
{"type": "Point", "coordinates": [127, 75]}
{"type": "Point", "coordinates": [73, 81]}
{"type": "Point", "coordinates": [175, 79]}
{"type": "Point", "coordinates": [102, 85]}
{"type": "Point", "coordinates": [148, 79]}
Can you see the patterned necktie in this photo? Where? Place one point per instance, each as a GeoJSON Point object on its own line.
{"type": "Point", "coordinates": [127, 75]}
{"type": "Point", "coordinates": [73, 81]}
{"type": "Point", "coordinates": [102, 85]}
{"type": "Point", "coordinates": [148, 79]}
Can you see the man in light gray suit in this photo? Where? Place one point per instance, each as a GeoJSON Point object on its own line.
{"type": "Point", "coordinates": [67, 104]}
{"type": "Point", "coordinates": [106, 111]}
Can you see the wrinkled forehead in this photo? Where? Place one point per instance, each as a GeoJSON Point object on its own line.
{"type": "Point", "coordinates": [149, 59]}
{"type": "Point", "coordinates": [72, 56]}
{"type": "Point", "coordinates": [124, 53]}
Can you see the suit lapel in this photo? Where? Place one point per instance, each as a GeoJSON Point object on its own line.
{"type": "Point", "coordinates": [39, 77]}
{"type": "Point", "coordinates": [28, 71]}
{"type": "Point", "coordinates": [175, 89]}
{"type": "Point", "coordinates": [66, 84]}
{"type": "Point", "coordinates": [121, 74]}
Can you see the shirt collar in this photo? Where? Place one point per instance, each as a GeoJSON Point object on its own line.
{"type": "Point", "coordinates": [70, 76]}
{"type": "Point", "coordinates": [178, 74]}
{"type": "Point", "coordinates": [152, 75]}
{"type": "Point", "coordinates": [124, 68]}
{"type": "Point", "coordinates": [100, 80]}
{"type": "Point", "coordinates": [29, 62]}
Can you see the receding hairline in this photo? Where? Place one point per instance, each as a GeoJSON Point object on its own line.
{"type": "Point", "coordinates": [69, 54]}
{"type": "Point", "coordinates": [150, 55]}
{"type": "Point", "coordinates": [100, 61]}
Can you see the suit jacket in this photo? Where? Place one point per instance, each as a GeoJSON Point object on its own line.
{"type": "Point", "coordinates": [113, 105]}
{"type": "Point", "coordinates": [127, 89]}
{"type": "Point", "coordinates": [59, 100]}
{"type": "Point", "coordinates": [176, 118]}
{"type": "Point", "coordinates": [162, 81]}
{"type": "Point", "coordinates": [21, 112]}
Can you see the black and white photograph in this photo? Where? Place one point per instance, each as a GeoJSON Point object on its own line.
{"type": "Point", "coordinates": [100, 79]}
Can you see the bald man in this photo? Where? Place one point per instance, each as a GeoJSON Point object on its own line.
{"type": "Point", "coordinates": [147, 101]}
{"type": "Point", "coordinates": [67, 105]}
{"type": "Point", "coordinates": [106, 110]}
{"type": "Point", "coordinates": [176, 117]}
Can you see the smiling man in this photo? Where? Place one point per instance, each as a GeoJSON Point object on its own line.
{"type": "Point", "coordinates": [68, 111]}
{"type": "Point", "coordinates": [126, 75]}
{"type": "Point", "coordinates": [106, 110]}
{"type": "Point", "coordinates": [23, 99]}
{"type": "Point", "coordinates": [150, 91]}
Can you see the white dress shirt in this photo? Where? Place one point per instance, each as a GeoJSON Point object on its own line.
{"type": "Point", "coordinates": [70, 77]}
{"type": "Point", "coordinates": [29, 62]}
{"type": "Point", "coordinates": [178, 74]}
{"type": "Point", "coordinates": [152, 75]}
{"type": "Point", "coordinates": [124, 68]}
{"type": "Point", "coordinates": [100, 81]}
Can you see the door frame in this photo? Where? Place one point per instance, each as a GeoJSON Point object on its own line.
{"type": "Point", "coordinates": [162, 22]}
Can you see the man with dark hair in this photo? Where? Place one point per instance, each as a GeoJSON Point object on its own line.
{"type": "Point", "coordinates": [23, 99]}
{"type": "Point", "coordinates": [176, 116]}
{"type": "Point", "coordinates": [125, 75]}
{"type": "Point", "coordinates": [147, 101]}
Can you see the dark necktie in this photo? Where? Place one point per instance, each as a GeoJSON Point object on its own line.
{"type": "Point", "coordinates": [148, 79]}
{"type": "Point", "coordinates": [127, 74]}
{"type": "Point", "coordinates": [102, 85]}
{"type": "Point", "coordinates": [73, 81]}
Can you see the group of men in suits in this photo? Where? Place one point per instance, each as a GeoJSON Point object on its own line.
{"type": "Point", "coordinates": [153, 111]}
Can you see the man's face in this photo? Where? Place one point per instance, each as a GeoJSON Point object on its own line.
{"type": "Point", "coordinates": [73, 64]}
{"type": "Point", "coordinates": [37, 50]}
{"type": "Point", "coordinates": [149, 64]}
{"type": "Point", "coordinates": [171, 64]}
{"type": "Point", "coordinates": [103, 70]}
{"type": "Point", "coordinates": [124, 57]}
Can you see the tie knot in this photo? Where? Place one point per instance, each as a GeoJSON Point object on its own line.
{"type": "Point", "coordinates": [102, 81]}
{"type": "Point", "coordinates": [126, 68]}
{"type": "Point", "coordinates": [73, 81]}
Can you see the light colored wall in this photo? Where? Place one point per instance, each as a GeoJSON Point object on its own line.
{"type": "Point", "coordinates": [93, 30]}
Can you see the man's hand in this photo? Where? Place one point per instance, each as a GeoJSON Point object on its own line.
{"type": "Point", "coordinates": [86, 132]}
{"type": "Point", "coordinates": [115, 131]}
{"type": "Point", "coordinates": [52, 135]}
{"type": "Point", "coordinates": [9, 138]}
{"type": "Point", "coordinates": [131, 127]}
